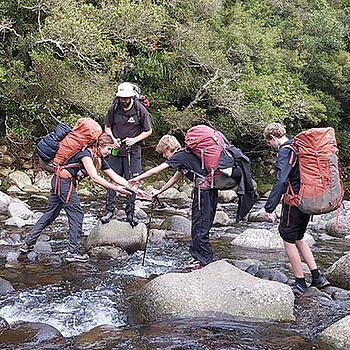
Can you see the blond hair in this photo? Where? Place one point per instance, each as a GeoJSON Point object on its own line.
{"type": "Point", "coordinates": [274, 129]}
{"type": "Point", "coordinates": [167, 142]}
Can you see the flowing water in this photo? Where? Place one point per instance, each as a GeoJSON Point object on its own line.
{"type": "Point", "coordinates": [76, 298]}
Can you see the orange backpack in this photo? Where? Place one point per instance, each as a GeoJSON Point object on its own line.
{"type": "Point", "coordinates": [84, 133]}
{"type": "Point", "coordinates": [321, 184]}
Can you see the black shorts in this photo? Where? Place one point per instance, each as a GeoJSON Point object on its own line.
{"type": "Point", "coordinates": [293, 223]}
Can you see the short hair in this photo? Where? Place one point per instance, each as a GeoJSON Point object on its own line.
{"type": "Point", "coordinates": [168, 142]}
{"type": "Point", "coordinates": [274, 129]}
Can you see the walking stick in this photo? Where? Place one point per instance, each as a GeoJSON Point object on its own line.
{"type": "Point", "coordinates": [153, 204]}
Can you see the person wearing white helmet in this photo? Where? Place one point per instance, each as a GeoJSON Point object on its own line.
{"type": "Point", "coordinates": [128, 122]}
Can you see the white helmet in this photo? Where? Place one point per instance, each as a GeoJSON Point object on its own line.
{"type": "Point", "coordinates": [125, 90]}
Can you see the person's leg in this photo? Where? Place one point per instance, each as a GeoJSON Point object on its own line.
{"type": "Point", "coordinates": [289, 229]}
{"type": "Point", "coordinates": [116, 164]}
{"type": "Point", "coordinates": [202, 218]}
{"type": "Point", "coordinates": [75, 216]}
{"type": "Point", "coordinates": [306, 253]}
{"type": "Point", "coordinates": [52, 211]}
{"type": "Point", "coordinates": [132, 168]}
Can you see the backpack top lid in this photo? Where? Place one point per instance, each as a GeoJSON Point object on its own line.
{"type": "Point", "coordinates": [206, 143]}
{"type": "Point", "coordinates": [84, 133]}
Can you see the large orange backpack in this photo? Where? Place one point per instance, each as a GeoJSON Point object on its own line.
{"type": "Point", "coordinates": [55, 149]}
{"type": "Point", "coordinates": [321, 185]}
{"type": "Point", "coordinates": [85, 132]}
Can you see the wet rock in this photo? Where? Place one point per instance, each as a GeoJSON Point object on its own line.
{"type": "Point", "coordinates": [313, 292]}
{"type": "Point", "coordinates": [339, 273]}
{"type": "Point", "coordinates": [31, 189]}
{"type": "Point", "coordinates": [14, 221]}
{"type": "Point", "coordinates": [338, 293]}
{"type": "Point", "coordinates": [14, 189]}
{"type": "Point", "coordinates": [19, 179]}
{"type": "Point", "coordinates": [223, 289]}
{"type": "Point", "coordinates": [31, 334]}
{"type": "Point", "coordinates": [103, 334]}
{"type": "Point", "coordinates": [119, 234]}
{"type": "Point", "coordinates": [20, 210]}
{"type": "Point", "coordinates": [258, 216]}
{"type": "Point", "coordinates": [222, 219]}
{"type": "Point", "coordinates": [5, 287]}
{"type": "Point", "coordinates": [3, 324]}
{"type": "Point", "coordinates": [43, 181]}
{"type": "Point", "coordinates": [173, 193]}
{"type": "Point", "coordinates": [5, 199]}
{"type": "Point", "coordinates": [338, 334]}
{"type": "Point", "coordinates": [157, 236]}
{"type": "Point", "coordinates": [259, 239]}
{"type": "Point", "coordinates": [227, 196]}
{"type": "Point", "coordinates": [140, 214]}
{"type": "Point", "coordinates": [272, 275]}
{"type": "Point", "coordinates": [39, 199]}
{"type": "Point", "coordinates": [177, 223]}
{"type": "Point", "coordinates": [109, 252]}
{"type": "Point", "coordinates": [250, 266]}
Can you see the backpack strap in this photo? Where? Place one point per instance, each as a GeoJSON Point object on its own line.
{"type": "Point", "coordinates": [294, 154]}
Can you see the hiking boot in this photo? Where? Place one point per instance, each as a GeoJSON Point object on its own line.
{"type": "Point", "coordinates": [75, 257]}
{"type": "Point", "coordinates": [107, 217]}
{"type": "Point", "coordinates": [130, 219]}
{"type": "Point", "coordinates": [320, 282]}
{"type": "Point", "coordinates": [298, 289]}
{"type": "Point", "coordinates": [26, 248]}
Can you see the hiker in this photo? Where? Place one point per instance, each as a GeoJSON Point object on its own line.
{"type": "Point", "coordinates": [293, 221]}
{"type": "Point", "coordinates": [204, 201]}
{"type": "Point", "coordinates": [86, 162]}
{"type": "Point", "coordinates": [128, 123]}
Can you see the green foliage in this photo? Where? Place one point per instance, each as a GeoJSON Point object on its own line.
{"type": "Point", "coordinates": [236, 65]}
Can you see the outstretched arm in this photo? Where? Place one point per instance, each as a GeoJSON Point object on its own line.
{"type": "Point", "coordinates": [175, 178]}
{"type": "Point", "coordinates": [92, 172]}
{"type": "Point", "coordinates": [151, 172]}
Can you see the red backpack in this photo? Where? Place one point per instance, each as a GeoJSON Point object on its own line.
{"type": "Point", "coordinates": [216, 156]}
{"type": "Point", "coordinates": [321, 185]}
{"type": "Point", "coordinates": [84, 133]}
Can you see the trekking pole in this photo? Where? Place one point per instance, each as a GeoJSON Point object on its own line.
{"type": "Point", "coordinates": [153, 204]}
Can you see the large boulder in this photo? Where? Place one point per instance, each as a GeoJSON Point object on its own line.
{"type": "Point", "coordinates": [339, 272]}
{"type": "Point", "coordinates": [20, 210]}
{"type": "Point", "coordinates": [258, 216]}
{"type": "Point", "coordinates": [118, 234]}
{"type": "Point", "coordinates": [227, 196]}
{"type": "Point", "coordinates": [218, 288]}
{"type": "Point", "coordinates": [177, 223]}
{"type": "Point", "coordinates": [259, 239]}
{"type": "Point", "coordinates": [19, 179]}
{"type": "Point", "coordinates": [338, 334]}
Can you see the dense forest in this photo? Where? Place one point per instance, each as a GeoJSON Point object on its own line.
{"type": "Point", "coordinates": [235, 65]}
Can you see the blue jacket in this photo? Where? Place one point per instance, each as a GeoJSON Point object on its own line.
{"type": "Point", "coordinates": [287, 169]}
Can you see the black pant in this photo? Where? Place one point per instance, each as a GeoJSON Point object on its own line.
{"type": "Point", "coordinates": [128, 167]}
{"type": "Point", "coordinates": [293, 223]}
{"type": "Point", "coordinates": [56, 203]}
{"type": "Point", "coordinates": [203, 214]}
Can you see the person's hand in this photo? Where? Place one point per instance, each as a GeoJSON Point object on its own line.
{"type": "Point", "coordinates": [122, 190]}
{"type": "Point", "coordinates": [134, 182]}
{"type": "Point", "coordinates": [117, 142]}
{"type": "Point", "coordinates": [129, 141]}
